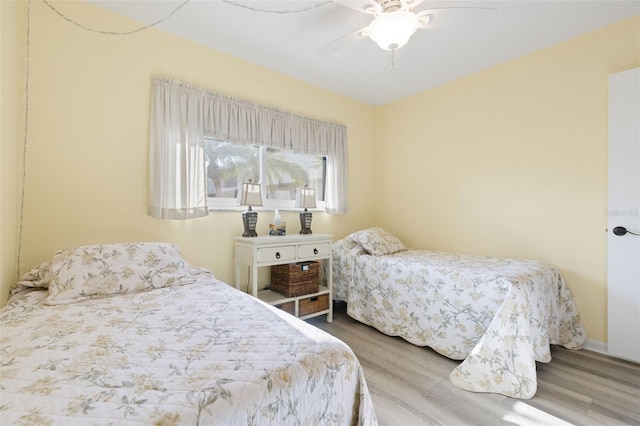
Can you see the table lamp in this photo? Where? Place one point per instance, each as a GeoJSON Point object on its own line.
{"type": "Point", "coordinates": [305, 198]}
{"type": "Point", "coordinates": [250, 195]}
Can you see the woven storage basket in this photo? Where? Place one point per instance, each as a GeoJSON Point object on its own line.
{"type": "Point", "coordinates": [288, 307]}
{"type": "Point", "coordinates": [311, 305]}
{"type": "Point", "coordinates": [296, 279]}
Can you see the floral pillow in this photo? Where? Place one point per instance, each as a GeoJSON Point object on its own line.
{"type": "Point", "coordinates": [37, 278]}
{"type": "Point", "coordinates": [377, 241]}
{"type": "Point", "coordinates": [101, 270]}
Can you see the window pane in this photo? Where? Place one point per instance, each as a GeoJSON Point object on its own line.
{"type": "Point", "coordinates": [228, 165]}
{"type": "Point", "coordinates": [285, 171]}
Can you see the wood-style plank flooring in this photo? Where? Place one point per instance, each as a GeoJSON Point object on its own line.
{"type": "Point", "coordinates": [410, 385]}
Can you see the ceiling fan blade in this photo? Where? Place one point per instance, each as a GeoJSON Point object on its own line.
{"type": "Point", "coordinates": [453, 17]}
{"type": "Point", "coordinates": [342, 42]}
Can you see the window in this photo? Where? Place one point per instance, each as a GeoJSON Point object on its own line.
{"type": "Point", "coordinates": [184, 116]}
{"type": "Point", "coordinates": [278, 171]}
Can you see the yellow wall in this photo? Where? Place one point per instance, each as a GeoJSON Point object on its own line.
{"type": "Point", "coordinates": [87, 174]}
{"type": "Point", "coordinates": [512, 162]}
{"type": "Point", "coordinates": [12, 52]}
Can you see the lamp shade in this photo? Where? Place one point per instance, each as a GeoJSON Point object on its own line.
{"type": "Point", "coordinates": [250, 194]}
{"type": "Point", "coordinates": [305, 198]}
{"type": "Point", "coordinates": [392, 30]}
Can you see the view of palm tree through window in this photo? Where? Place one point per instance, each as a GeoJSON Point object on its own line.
{"type": "Point", "coordinates": [279, 172]}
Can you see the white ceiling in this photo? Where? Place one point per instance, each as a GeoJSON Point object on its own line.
{"type": "Point", "coordinates": [461, 42]}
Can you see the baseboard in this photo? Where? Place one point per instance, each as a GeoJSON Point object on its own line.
{"type": "Point", "coordinates": [600, 347]}
{"type": "Point", "coordinates": [596, 346]}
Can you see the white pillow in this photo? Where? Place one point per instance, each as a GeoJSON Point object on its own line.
{"type": "Point", "coordinates": [377, 241]}
{"type": "Point", "coordinates": [36, 279]}
{"type": "Point", "coordinates": [95, 271]}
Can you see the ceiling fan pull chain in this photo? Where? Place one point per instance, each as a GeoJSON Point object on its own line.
{"type": "Point", "coordinates": [393, 62]}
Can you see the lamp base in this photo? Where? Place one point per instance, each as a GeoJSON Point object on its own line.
{"type": "Point", "coordinates": [305, 222]}
{"type": "Point", "coordinates": [249, 220]}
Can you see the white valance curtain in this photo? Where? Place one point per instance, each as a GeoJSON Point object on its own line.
{"type": "Point", "coordinates": [182, 115]}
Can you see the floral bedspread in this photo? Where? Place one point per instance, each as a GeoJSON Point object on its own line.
{"type": "Point", "coordinates": [498, 315]}
{"type": "Point", "coordinates": [197, 354]}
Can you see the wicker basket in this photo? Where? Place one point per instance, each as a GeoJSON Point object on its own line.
{"type": "Point", "coordinates": [311, 305]}
{"type": "Point", "coordinates": [296, 279]}
{"type": "Point", "coordinates": [288, 307]}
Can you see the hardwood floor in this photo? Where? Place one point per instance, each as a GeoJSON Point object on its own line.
{"type": "Point", "coordinates": [410, 385]}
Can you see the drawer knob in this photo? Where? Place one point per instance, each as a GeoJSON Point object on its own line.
{"type": "Point", "coordinates": [315, 251]}
{"type": "Point", "coordinates": [277, 255]}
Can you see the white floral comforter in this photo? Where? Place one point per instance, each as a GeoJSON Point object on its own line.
{"type": "Point", "coordinates": [196, 354]}
{"type": "Point", "coordinates": [499, 315]}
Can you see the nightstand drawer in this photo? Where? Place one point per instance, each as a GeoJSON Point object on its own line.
{"type": "Point", "coordinates": [313, 250]}
{"type": "Point", "coordinates": [275, 254]}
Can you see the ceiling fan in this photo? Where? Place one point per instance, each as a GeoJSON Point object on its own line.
{"type": "Point", "coordinates": [394, 22]}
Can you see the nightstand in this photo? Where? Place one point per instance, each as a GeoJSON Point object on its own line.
{"type": "Point", "coordinates": [258, 252]}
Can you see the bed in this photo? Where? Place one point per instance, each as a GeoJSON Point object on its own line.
{"type": "Point", "coordinates": [498, 315]}
{"type": "Point", "coordinates": [132, 334]}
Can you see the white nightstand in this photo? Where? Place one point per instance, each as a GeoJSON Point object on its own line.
{"type": "Point", "coordinates": [269, 250]}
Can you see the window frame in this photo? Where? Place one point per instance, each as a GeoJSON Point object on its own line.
{"type": "Point", "coordinates": [268, 204]}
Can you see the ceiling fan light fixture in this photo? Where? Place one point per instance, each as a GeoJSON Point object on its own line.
{"type": "Point", "coordinates": [392, 30]}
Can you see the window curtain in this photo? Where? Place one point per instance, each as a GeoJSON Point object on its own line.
{"type": "Point", "coordinates": [177, 168]}
{"type": "Point", "coordinates": [183, 115]}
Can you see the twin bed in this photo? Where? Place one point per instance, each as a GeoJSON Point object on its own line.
{"type": "Point", "coordinates": [131, 334]}
{"type": "Point", "coordinates": [498, 315]}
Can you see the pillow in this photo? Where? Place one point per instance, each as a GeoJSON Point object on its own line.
{"type": "Point", "coordinates": [377, 241]}
{"type": "Point", "coordinates": [37, 278]}
{"type": "Point", "coordinates": [95, 271]}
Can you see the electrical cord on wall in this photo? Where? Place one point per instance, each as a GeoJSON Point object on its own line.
{"type": "Point", "coordinates": [24, 147]}
{"type": "Point", "coordinates": [144, 27]}
{"type": "Point", "coordinates": [255, 9]}
{"type": "Point", "coordinates": [26, 104]}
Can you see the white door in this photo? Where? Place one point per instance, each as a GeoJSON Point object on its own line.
{"type": "Point", "coordinates": [624, 216]}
